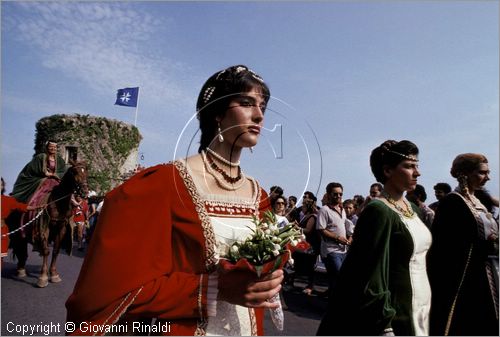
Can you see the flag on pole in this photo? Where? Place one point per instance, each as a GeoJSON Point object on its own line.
{"type": "Point", "coordinates": [127, 97]}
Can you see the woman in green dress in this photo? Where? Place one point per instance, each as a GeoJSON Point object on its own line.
{"type": "Point", "coordinates": [382, 288]}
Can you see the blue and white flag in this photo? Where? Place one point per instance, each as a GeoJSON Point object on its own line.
{"type": "Point", "coordinates": [127, 96]}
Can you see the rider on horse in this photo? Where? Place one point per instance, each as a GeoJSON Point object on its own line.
{"type": "Point", "coordinates": [40, 175]}
{"type": "Point", "coordinates": [52, 192]}
{"type": "Point", "coordinates": [33, 185]}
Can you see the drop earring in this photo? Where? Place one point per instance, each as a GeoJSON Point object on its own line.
{"type": "Point", "coordinates": [251, 149]}
{"type": "Point", "coordinates": [221, 138]}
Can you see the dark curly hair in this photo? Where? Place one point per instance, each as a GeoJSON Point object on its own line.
{"type": "Point", "coordinates": [217, 93]}
{"type": "Point", "coordinates": [390, 153]}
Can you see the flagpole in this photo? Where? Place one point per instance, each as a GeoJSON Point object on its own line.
{"type": "Point", "coordinates": [136, 108]}
{"type": "Point", "coordinates": [135, 124]}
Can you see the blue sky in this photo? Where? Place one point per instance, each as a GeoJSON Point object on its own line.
{"type": "Point", "coordinates": [344, 76]}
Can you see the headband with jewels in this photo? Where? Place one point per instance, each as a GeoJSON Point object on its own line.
{"type": "Point", "coordinates": [237, 70]}
{"type": "Point", "coordinates": [411, 157]}
{"type": "Point", "coordinates": [217, 79]}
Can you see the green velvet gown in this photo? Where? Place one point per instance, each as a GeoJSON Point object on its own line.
{"type": "Point", "coordinates": [374, 292]}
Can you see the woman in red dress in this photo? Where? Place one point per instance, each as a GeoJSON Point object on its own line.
{"type": "Point", "coordinates": [153, 261]}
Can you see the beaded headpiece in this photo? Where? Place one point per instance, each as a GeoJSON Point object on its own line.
{"type": "Point", "coordinates": [216, 82]}
{"type": "Point", "coordinates": [387, 146]}
{"type": "Point", "coordinates": [207, 94]}
{"type": "Point", "coordinates": [411, 157]}
{"type": "Point", "coordinates": [238, 70]}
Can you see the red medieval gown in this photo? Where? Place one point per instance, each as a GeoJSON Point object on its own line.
{"type": "Point", "coordinates": [151, 254]}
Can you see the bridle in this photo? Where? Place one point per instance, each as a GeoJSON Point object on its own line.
{"type": "Point", "coordinates": [80, 186]}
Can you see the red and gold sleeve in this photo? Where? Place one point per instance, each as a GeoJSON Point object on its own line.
{"type": "Point", "coordinates": [147, 255]}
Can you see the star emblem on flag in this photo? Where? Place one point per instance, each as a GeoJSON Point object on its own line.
{"type": "Point", "coordinates": [127, 97]}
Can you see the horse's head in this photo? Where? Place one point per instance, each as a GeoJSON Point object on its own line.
{"type": "Point", "coordinates": [78, 171]}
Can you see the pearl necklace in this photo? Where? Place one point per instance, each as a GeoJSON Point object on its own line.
{"type": "Point", "coordinates": [231, 186]}
{"type": "Point", "coordinates": [226, 177]}
{"type": "Point", "coordinates": [408, 212]}
{"type": "Point", "coordinates": [221, 158]}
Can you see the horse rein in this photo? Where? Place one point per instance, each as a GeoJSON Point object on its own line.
{"type": "Point", "coordinates": [26, 224]}
{"type": "Point", "coordinates": [78, 190]}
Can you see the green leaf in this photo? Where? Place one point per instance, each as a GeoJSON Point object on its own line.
{"type": "Point", "coordinates": [258, 269]}
{"type": "Point", "coordinates": [276, 263]}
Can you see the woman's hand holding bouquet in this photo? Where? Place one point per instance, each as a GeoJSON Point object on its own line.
{"type": "Point", "coordinates": [255, 266]}
{"type": "Point", "coordinates": [245, 288]}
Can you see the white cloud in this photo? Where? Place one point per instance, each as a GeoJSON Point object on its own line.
{"type": "Point", "coordinates": [100, 44]}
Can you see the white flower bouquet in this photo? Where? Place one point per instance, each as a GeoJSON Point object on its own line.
{"type": "Point", "coordinates": [265, 251]}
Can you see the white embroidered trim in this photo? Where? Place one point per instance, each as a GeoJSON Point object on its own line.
{"type": "Point", "coordinates": [253, 321]}
{"type": "Point", "coordinates": [212, 200]}
{"type": "Point", "coordinates": [230, 210]}
{"type": "Point", "coordinates": [118, 308]}
{"type": "Point", "coordinates": [208, 232]}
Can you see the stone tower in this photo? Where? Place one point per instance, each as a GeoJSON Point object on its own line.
{"type": "Point", "coordinates": [109, 147]}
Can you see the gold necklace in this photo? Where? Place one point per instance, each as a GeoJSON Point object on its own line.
{"type": "Point", "coordinates": [408, 212]}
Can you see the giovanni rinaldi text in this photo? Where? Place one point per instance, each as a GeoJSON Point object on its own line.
{"type": "Point", "coordinates": [86, 327]}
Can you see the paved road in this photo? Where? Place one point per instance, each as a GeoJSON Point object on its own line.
{"type": "Point", "coordinates": [23, 303]}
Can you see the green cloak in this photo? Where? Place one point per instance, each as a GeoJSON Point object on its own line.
{"type": "Point", "coordinates": [32, 176]}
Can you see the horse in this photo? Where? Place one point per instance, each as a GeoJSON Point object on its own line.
{"type": "Point", "coordinates": [53, 226]}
